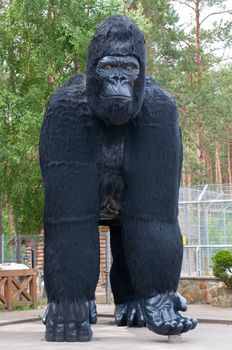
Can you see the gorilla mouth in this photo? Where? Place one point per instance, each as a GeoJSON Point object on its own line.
{"type": "Point", "coordinates": [116, 97]}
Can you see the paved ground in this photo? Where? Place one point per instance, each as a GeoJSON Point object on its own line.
{"type": "Point", "coordinates": [22, 330]}
{"type": "Point", "coordinates": [30, 336]}
{"type": "Point", "coordinates": [204, 313]}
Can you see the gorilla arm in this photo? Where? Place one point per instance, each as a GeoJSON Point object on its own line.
{"type": "Point", "coordinates": [151, 235]}
{"type": "Point", "coordinates": [68, 158]}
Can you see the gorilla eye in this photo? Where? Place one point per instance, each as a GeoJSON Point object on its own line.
{"type": "Point", "coordinates": [108, 67]}
{"type": "Point", "coordinates": [129, 67]}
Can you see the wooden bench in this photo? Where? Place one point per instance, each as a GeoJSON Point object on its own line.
{"type": "Point", "coordinates": [17, 288]}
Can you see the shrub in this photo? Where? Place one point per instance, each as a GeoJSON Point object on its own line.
{"type": "Point", "coordinates": [222, 266]}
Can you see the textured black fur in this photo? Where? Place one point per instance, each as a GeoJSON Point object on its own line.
{"type": "Point", "coordinates": [71, 160]}
{"type": "Point", "coordinates": [137, 166]}
{"type": "Point", "coordinates": [121, 285]}
{"type": "Point", "coordinates": [69, 154]}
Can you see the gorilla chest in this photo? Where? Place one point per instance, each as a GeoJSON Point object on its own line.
{"type": "Point", "coordinates": [112, 179]}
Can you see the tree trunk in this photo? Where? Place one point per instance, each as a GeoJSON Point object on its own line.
{"type": "Point", "coordinates": [189, 180]}
{"type": "Point", "coordinates": [219, 178]}
{"type": "Point", "coordinates": [197, 38]}
{"type": "Point", "coordinates": [200, 173]}
{"type": "Point", "coordinates": [208, 167]}
{"type": "Point", "coordinates": [17, 242]}
{"type": "Point", "coordinates": [229, 159]}
{"type": "Point", "coordinates": [10, 220]}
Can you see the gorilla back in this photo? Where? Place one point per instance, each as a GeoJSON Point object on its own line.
{"type": "Point", "coordinates": [110, 151]}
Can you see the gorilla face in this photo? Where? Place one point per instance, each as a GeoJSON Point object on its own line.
{"type": "Point", "coordinates": [116, 71]}
{"type": "Point", "coordinates": [117, 75]}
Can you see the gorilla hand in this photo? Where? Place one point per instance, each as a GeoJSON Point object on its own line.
{"type": "Point", "coordinates": [129, 314]}
{"type": "Point", "coordinates": [161, 315]}
{"type": "Point", "coordinates": [70, 321]}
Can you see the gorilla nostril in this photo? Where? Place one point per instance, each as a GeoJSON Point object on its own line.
{"type": "Point", "coordinates": [114, 79]}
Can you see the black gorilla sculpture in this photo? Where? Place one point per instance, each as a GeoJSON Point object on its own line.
{"type": "Point", "coordinates": [110, 153]}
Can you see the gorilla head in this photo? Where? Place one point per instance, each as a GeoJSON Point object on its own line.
{"type": "Point", "coordinates": [116, 70]}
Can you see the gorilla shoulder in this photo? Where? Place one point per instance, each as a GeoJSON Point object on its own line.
{"type": "Point", "coordinates": [70, 99]}
{"type": "Point", "coordinates": [156, 92]}
{"type": "Point", "coordinates": [158, 104]}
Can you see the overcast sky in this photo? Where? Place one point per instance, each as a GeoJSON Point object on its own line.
{"type": "Point", "coordinates": [187, 15]}
{"type": "Point", "coordinates": [187, 18]}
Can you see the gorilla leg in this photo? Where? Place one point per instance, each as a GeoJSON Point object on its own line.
{"type": "Point", "coordinates": [119, 274]}
{"type": "Point", "coordinates": [154, 256]}
{"type": "Point", "coordinates": [127, 310]}
{"type": "Point", "coordinates": [71, 274]}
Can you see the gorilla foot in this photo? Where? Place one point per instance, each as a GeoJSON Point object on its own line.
{"type": "Point", "coordinates": [129, 314]}
{"type": "Point", "coordinates": [69, 321]}
{"type": "Point", "coordinates": [161, 314]}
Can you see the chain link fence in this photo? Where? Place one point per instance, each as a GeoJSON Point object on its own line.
{"type": "Point", "coordinates": [205, 217]}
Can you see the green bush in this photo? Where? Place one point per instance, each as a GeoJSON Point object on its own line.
{"type": "Point", "coordinates": [222, 266]}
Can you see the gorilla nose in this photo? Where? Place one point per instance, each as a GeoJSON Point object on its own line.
{"type": "Point", "coordinates": [117, 79]}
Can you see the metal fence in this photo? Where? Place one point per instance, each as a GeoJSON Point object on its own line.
{"type": "Point", "coordinates": [205, 217]}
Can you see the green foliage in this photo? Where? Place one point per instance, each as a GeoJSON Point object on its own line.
{"type": "Point", "coordinates": [201, 94]}
{"type": "Point", "coordinates": [162, 38]}
{"type": "Point", "coordinates": [222, 266]}
{"type": "Point", "coordinates": [45, 42]}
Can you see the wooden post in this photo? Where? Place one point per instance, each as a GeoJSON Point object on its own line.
{"type": "Point", "coordinates": [33, 291]}
{"type": "Point", "coordinates": [9, 293]}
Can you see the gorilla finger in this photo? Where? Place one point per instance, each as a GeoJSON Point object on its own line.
{"type": "Point", "coordinates": [187, 325]}
{"type": "Point", "coordinates": [131, 318]}
{"type": "Point", "coordinates": [176, 328]}
{"type": "Point", "coordinates": [194, 322]}
{"type": "Point", "coordinates": [140, 318]}
{"type": "Point", "coordinates": [160, 328]}
{"type": "Point", "coordinates": [84, 332]}
{"type": "Point", "coordinates": [92, 312]}
{"type": "Point", "coordinates": [45, 316]}
{"type": "Point", "coordinates": [49, 333]}
{"type": "Point", "coordinates": [121, 319]}
{"type": "Point", "coordinates": [70, 332]}
{"type": "Point", "coordinates": [59, 332]}
{"type": "Point", "coordinates": [140, 322]}
{"type": "Point", "coordinates": [181, 303]}
{"type": "Point", "coordinates": [121, 315]}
